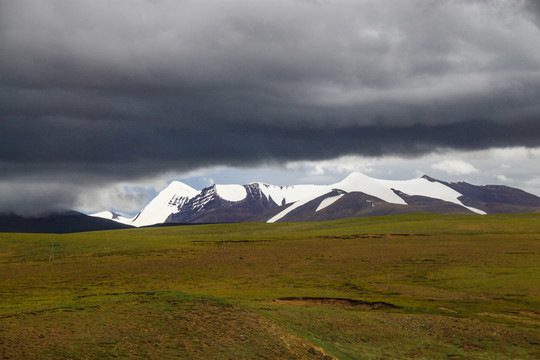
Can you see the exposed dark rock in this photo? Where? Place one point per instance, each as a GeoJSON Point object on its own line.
{"type": "Point", "coordinates": [209, 207]}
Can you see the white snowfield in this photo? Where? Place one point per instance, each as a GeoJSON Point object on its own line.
{"type": "Point", "coordinates": [424, 187]}
{"type": "Point", "coordinates": [231, 192]}
{"type": "Point", "coordinates": [318, 192]}
{"type": "Point", "coordinates": [288, 194]}
{"type": "Point", "coordinates": [109, 215]}
{"type": "Point", "coordinates": [328, 201]}
{"type": "Point", "coordinates": [169, 200]}
{"type": "Point", "coordinates": [382, 189]}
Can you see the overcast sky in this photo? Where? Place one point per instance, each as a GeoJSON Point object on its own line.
{"type": "Point", "coordinates": [104, 102]}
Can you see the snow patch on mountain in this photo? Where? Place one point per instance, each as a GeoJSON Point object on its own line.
{"type": "Point", "coordinates": [231, 192]}
{"type": "Point", "coordinates": [424, 187]}
{"type": "Point", "coordinates": [109, 215]}
{"type": "Point", "coordinates": [328, 201]}
{"type": "Point", "coordinates": [370, 186]}
{"type": "Point", "coordinates": [319, 192]}
{"type": "Point", "coordinates": [282, 195]}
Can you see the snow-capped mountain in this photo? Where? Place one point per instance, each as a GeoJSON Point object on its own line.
{"type": "Point", "coordinates": [167, 202]}
{"type": "Point", "coordinates": [389, 191]}
{"type": "Point", "coordinates": [356, 195]}
{"type": "Point", "coordinates": [224, 203]}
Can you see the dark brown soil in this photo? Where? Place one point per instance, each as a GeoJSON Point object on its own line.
{"type": "Point", "coordinates": [337, 302]}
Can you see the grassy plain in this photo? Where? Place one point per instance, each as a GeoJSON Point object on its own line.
{"type": "Point", "coordinates": [411, 286]}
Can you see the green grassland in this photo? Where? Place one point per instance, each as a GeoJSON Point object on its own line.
{"type": "Point", "coordinates": [411, 286]}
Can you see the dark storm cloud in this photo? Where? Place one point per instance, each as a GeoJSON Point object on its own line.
{"type": "Point", "coordinates": [100, 91]}
{"type": "Point", "coordinates": [534, 7]}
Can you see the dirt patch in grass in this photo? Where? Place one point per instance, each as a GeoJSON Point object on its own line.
{"type": "Point", "coordinates": [368, 236]}
{"type": "Point", "coordinates": [337, 302]}
{"type": "Point", "coordinates": [220, 242]}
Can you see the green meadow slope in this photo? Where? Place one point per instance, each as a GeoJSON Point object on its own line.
{"type": "Point", "coordinates": [411, 286]}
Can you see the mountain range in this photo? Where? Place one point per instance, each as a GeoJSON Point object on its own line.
{"type": "Point", "coordinates": [356, 195]}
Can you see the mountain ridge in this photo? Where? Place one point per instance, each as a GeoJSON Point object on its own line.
{"type": "Point", "coordinates": [355, 195]}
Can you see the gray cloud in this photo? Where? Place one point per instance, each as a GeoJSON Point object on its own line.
{"type": "Point", "coordinates": [33, 199]}
{"type": "Point", "coordinates": [94, 92]}
{"type": "Point", "coordinates": [533, 7]}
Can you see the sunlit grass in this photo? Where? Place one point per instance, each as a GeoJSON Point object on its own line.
{"type": "Point", "coordinates": [462, 286]}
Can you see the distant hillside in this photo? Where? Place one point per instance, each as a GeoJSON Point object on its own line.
{"type": "Point", "coordinates": [59, 223]}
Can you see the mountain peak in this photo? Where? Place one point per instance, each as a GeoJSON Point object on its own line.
{"type": "Point", "coordinates": [178, 186]}
{"type": "Point", "coordinates": [358, 175]}
{"type": "Point", "coordinates": [429, 178]}
{"type": "Point", "coordinates": [165, 203]}
{"type": "Point", "coordinates": [359, 182]}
